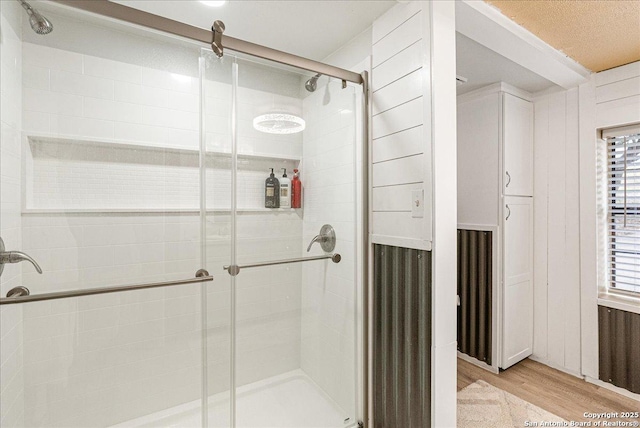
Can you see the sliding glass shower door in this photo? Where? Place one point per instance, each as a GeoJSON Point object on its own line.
{"type": "Point", "coordinates": [100, 186]}
{"type": "Point", "coordinates": [292, 290]}
{"type": "Point", "coordinates": [119, 169]}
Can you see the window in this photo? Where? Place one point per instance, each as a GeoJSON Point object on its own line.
{"type": "Point", "coordinates": [623, 209]}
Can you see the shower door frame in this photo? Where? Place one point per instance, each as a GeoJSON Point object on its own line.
{"type": "Point", "coordinates": [150, 21]}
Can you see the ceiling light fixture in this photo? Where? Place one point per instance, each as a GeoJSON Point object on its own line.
{"type": "Point", "coordinates": [279, 123]}
{"type": "Point", "coordinates": [213, 3]}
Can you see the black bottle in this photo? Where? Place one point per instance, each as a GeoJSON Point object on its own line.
{"type": "Point", "coordinates": [272, 191]}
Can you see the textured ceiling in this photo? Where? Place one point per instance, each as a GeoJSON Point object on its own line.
{"type": "Point", "coordinates": [599, 34]}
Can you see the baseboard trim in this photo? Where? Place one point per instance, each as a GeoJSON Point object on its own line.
{"type": "Point", "coordinates": [556, 367]}
{"type": "Point", "coordinates": [478, 363]}
{"type": "Point", "coordinates": [613, 388]}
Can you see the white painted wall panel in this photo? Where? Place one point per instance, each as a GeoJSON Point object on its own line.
{"type": "Point", "coordinates": [588, 239]}
{"type": "Point", "coordinates": [542, 151]}
{"type": "Point", "coordinates": [398, 145]}
{"type": "Point", "coordinates": [401, 151]}
{"type": "Point", "coordinates": [394, 198]}
{"type": "Point", "coordinates": [478, 157]}
{"type": "Point", "coordinates": [617, 74]}
{"type": "Point", "coordinates": [572, 233]}
{"type": "Point", "coordinates": [444, 211]}
{"type": "Point", "coordinates": [622, 89]}
{"type": "Point", "coordinates": [623, 108]}
{"type": "Point", "coordinates": [557, 239]}
{"type": "Point", "coordinates": [393, 19]}
{"type": "Point", "coordinates": [399, 171]}
{"type": "Point", "coordinates": [566, 256]}
{"type": "Point", "coordinates": [405, 35]}
{"type": "Point", "coordinates": [397, 224]}
{"type": "Point", "coordinates": [557, 225]}
{"type": "Point", "coordinates": [623, 111]}
{"type": "Point", "coordinates": [402, 90]}
{"type": "Point", "coordinates": [405, 62]}
{"type": "Point", "coordinates": [398, 119]}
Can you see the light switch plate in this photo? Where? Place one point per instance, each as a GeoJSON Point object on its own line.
{"type": "Point", "coordinates": [417, 203]}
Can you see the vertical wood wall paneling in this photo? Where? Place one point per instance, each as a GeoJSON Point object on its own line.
{"type": "Point", "coordinates": [557, 231]}
{"type": "Point", "coordinates": [475, 281]}
{"type": "Point", "coordinates": [610, 99]}
{"type": "Point", "coordinates": [619, 348]}
{"type": "Point", "coordinates": [401, 337]}
{"type": "Point", "coordinates": [572, 235]}
{"type": "Point", "coordinates": [589, 259]}
{"type": "Point", "coordinates": [556, 249]}
{"type": "Point", "coordinates": [541, 150]}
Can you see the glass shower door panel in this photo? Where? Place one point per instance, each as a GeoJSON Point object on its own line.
{"type": "Point", "coordinates": [217, 102]}
{"type": "Point", "coordinates": [101, 185]}
{"type": "Point", "coordinates": [295, 324]}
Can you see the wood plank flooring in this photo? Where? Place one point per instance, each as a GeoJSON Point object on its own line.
{"type": "Point", "coordinates": [554, 391]}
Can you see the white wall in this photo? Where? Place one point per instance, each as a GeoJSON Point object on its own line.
{"type": "Point", "coordinates": [567, 267]}
{"type": "Point", "coordinates": [401, 127]}
{"type": "Point", "coordinates": [610, 99]}
{"type": "Point", "coordinates": [11, 326]}
{"type": "Point", "coordinates": [352, 53]}
{"type": "Point", "coordinates": [556, 231]}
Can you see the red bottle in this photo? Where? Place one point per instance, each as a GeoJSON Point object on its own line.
{"type": "Point", "coordinates": [296, 190]}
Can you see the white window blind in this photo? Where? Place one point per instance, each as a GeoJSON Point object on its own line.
{"type": "Point", "coordinates": [623, 210]}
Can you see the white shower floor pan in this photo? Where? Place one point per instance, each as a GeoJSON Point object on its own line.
{"type": "Point", "coordinates": [290, 400]}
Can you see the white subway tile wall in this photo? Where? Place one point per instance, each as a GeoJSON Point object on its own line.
{"type": "Point", "coordinates": [329, 290]}
{"type": "Point", "coordinates": [11, 325]}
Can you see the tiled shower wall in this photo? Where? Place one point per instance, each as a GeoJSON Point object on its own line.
{"type": "Point", "coordinates": [132, 104]}
{"type": "Point", "coordinates": [107, 359]}
{"type": "Point", "coordinates": [11, 327]}
{"type": "Point", "coordinates": [328, 289]}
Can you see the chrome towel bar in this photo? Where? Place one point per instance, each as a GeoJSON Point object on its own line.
{"type": "Point", "coordinates": [21, 294]}
{"type": "Point", "coordinates": [235, 269]}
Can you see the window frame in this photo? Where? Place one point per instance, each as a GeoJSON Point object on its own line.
{"type": "Point", "coordinates": [607, 252]}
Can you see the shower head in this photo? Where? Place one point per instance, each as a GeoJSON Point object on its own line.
{"type": "Point", "coordinates": [38, 22]}
{"type": "Point", "coordinates": [312, 83]}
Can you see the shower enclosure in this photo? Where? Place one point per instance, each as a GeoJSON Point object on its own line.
{"type": "Point", "coordinates": [134, 175]}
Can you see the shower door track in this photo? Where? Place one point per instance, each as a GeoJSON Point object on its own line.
{"type": "Point", "coordinates": [149, 20]}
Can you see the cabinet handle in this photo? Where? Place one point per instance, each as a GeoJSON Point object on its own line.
{"type": "Point", "coordinates": [509, 213]}
{"type": "Point", "coordinates": [509, 177]}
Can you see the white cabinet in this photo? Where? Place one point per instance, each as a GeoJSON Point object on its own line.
{"type": "Point", "coordinates": [517, 137]}
{"type": "Point", "coordinates": [495, 193]}
{"type": "Point", "coordinates": [517, 278]}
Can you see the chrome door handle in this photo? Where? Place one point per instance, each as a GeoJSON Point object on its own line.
{"type": "Point", "coordinates": [509, 214]}
{"type": "Point", "coordinates": [509, 177]}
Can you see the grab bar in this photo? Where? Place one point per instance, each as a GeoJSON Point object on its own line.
{"type": "Point", "coordinates": [21, 294]}
{"type": "Point", "coordinates": [235, 269]}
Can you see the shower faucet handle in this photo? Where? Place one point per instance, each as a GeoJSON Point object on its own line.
{"type": "Point", "coordinates": [326, 238]}
{"type": "Point", "coordinates": [15, 257]}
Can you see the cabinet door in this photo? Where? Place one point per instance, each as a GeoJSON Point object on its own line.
{"type": "Point", "coordinates": [517, 124]}
{"type": "Point", "coordinates": [517, 287]}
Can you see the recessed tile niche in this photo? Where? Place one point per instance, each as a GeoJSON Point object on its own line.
{"type": "Point", "coordinates": [64, 174]}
